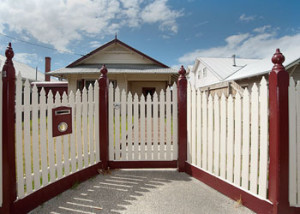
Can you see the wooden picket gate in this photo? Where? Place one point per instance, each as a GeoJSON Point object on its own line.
{"type": "Point", "coordinates": [41, 158]}
{"type": "Point", "coordinates": [143, 129]}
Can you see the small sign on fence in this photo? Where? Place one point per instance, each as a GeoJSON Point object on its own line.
{"type": "Point", "coordinates": [61, 121]}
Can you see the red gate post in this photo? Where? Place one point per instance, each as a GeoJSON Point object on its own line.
{"type": "Point", "coordinates": [279, 135]}
{"type": "Point", "coordinates": [182, 119]}
{"type": "Point", "coordinates": [8, 132]}
{"type": "Point", "coordinates": [103, 117]}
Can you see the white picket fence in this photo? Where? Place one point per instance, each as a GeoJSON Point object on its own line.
{"type": "Point", "coordinates": [294, 144]}
{"type": "Point", "coordinates": [142, 129]}
{"type": "Point", "coordinates": [228, 137]}
{"type": "Point", "coordinates": [42, 159]}
{"type": "Point", "coordinates": [1, 179]}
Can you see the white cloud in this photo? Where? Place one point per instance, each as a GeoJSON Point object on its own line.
{"type": "Point", "coordinates": [158, 11]}
{"type": "Point", "coordinates": [249, 45]}
{"type": "Point", "coordinates": [26, 58]}
{"type": "Point", "coordinates": [58, 22]}
{"type": "Point", "coordinates": [245, 18]}
{"type": "Point", "coordinates": [95, 44]}
{"type": "Point", "coordinates": [262, 29]}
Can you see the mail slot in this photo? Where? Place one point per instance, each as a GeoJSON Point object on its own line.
{"type": "Point", "coordinates": [61, 121]}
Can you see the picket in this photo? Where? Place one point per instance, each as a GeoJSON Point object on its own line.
{"type": "Point", "coordinates": [216, 135]}
{"type": "Point", "coordinates": [111, 124]}
{"type": "Point", "coordinates": [199, 128]}
{"type": "Point", "coordinates": [204, 130]}
{"type": "Point", "coordinates": [96, 120]}
{"type": "Point", "coordinates": [263, 144]}
{"type": "Point", "coordinates": [193, 124]}
{"type": "Point", "coordinates": [117, 123]}
{"type": "Point", "coordinates": [149, 127]}
{"type": "Point", "coordinates": [143, 131]}
{"type": "Point", "coordinates": [175, 122]}
{"type": "Point", "coordinates": [43, 140]}
{"type": "Point", "coordinates": [162, 125]}
{"type": "Point", "coordinates": [136, 126]}
{"type": "Point", "coordinates": [254, 140]}
{"type": "Point", "coordinates": [155, 127]}
{"type": "Point", "coordinates": [210, 130]}
{"type": "Point", "coordinates": [230, 134]}
{"type": "Point", "coordinates": [246, 142]}
{"type": "Point", "coordinates": [189, 117]}
{"type": "Point", "coordinates": [19, 136]}
{"type": "Point", "coordinates": [58, 148]}
{"type": "Point", "coordinates": [65, 142]}
{"type": "Point", "coordinates": [129, 122]}
{"type": "Point", "coordinates": [27, 138]}
{"type": "Point", "coordinates": [91, 124]}
{"type": "Point", "coordinates": [123, 125]}
{"type": "Point", "coordinates": [78, 108]}
{"type": "Point", "coordinates": [50, 105]}
{"type": "Point", "coordinates": [168, 124]}
{"type": "Point", "coordinates": [223, 138]}
{"type": "Point", "coordinates": [237, 140]}
{"type": "Point", "coordinates": [72, 136]}
{"type": "Point", "coordinates": [85, 124]}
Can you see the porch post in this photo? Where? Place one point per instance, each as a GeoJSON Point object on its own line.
{"type": "Point", "coordinates": [279, 135]}
{"type": "Point", "coordinates": [182, 119]}
{"type": "Point", "coordinates": [103, 117]}
{"type": "Point", "coordinates": [8, 132]}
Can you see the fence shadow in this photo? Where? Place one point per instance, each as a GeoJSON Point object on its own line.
{"type": "Point", "coordinates": [111, 193]}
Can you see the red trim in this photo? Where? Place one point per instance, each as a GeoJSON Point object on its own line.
{"type": "Point", "coordinates": [279, 136]}
{"type": "Point", "coordinates": [121, 43]}
{"type": "Point", "coordinates": [8, 133]}
{"type": "Point", "coordinates": [103, 117]}
{"type": "Point", "coordinates": [142, 164]}
{"type": "Point", "coordinates": [35, 199]}
{"type": "Point", "coordinates": [182, 119]}
{"type": "Point", "coordinates": [248, 200]}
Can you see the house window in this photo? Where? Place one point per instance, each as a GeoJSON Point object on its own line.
{"type": "Point", "coordinates": [148, 90]}
{"type": "Point", "coordinates": [204, 71]}
{"type": "Point", "coordinates": [199, 75]}
{"type": "Point", "coordinates": [88, 83]}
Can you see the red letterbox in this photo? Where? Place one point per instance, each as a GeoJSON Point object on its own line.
{"type": "Point", "coordinates": [61, 121]}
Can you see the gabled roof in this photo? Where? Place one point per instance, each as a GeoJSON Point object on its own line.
{"type": "Point", "coordinates": [114, 41]}
{"type": "Point", "coordinates": [26, 71]}
{"type": "Point", "coordinates": [222, 68]}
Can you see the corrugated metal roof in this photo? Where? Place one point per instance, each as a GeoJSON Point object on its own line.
{"type": "Point", "coordinates": [26, 71]}
{"type": "Point", "coordinates": [114, 69]}
{"type": "Point", "coordinates": [261, 67]}
{"type": "Point", "coordinates": [223, 67]}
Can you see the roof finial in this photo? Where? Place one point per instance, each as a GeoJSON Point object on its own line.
{"type": "Point", "coordinates": [116, 35]}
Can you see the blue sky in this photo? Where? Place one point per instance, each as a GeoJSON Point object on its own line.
{"type": "Point", "coordinates": [174, 32]}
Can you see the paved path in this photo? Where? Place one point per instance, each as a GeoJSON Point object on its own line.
{"type": "Point", "coordinates": [141, 192]}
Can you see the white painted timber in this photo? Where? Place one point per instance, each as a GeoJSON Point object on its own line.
{"type": "Point", "coordinates": [123, 125]}
{"type": "Point", "coordinates": [142, 129]}
{"type": "Point", "coordinates": [19, 137]}
{"type": "Point", "coordinates": [58, 146]}
{"type": "Point", "coordinates": [216, 135]}
{"type": "Point", "coordinates": [210, 136]}
{"type": "Point", "coordinates": [136, 126]}
{"type": "Point", "coordinates": [96, 119]}
{"type": "Point", "coordinates": [78, 110]}
{"type": "Point", "coordinates": [72, 136]}
{"type": "Point", "coordinates": [204, 130]}
{"type": "Point", "coordinates": [162, 125]}
{"type": "Point", "coordinates": [91, 124]}
{"type": "Point", "coordinates": [66, 142]}
{"type": "Point", "coordinates": [230, 134]}
{"type": "Point", "coordinates": [117, 123]}
{"type": "Point", "coordinates": [175, 122]}
{"type": "Point", "coordinates": [199, 128]}
{"type": "Point", "coordinates": [50, 138]}
{"type": "Point", "coordinates": [129, 131]}
{"type": "Point", "coordinates": [149, 127]}
{"type": "Point", "coordinates": [246, 141]}
{"type": "Point", "coordinates": [237, 139]}
{"type": "Point", "coordinates": [254, 140]}
{"type": "Point", "coordinates": [155, 126]}
{"type": "Point", "coordinates": [263, 145]}
{"type": "Point", "coordinates": [189, 120]}
{"type": "Point", "coordinates": [111, 122]}
{"type": "Point", "coordinates": [168, 123]}
{"type": "Point", "coordinates": [193, 124]}
{"type": "Point", "coordinates": [43, 140]}
{"type": "Point", "coordinates": [223, 138]}
{"type": "Point", "coordinates": [85, 130]}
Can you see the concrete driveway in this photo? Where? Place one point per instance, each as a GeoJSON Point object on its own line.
{"type": "Point", "coordinates": [149, 191]}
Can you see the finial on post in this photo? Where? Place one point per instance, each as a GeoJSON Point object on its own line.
{"type": "Point", "coordinates": [9, 53]}
{"type": "Point", "coordinates": [277, 60]}
{"type": "Point", "coordinates": [182, 73]}
{"type": "Point", "coordinates": [103, 71]}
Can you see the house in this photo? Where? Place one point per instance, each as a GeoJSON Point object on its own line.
{"type": "Point", "coordinates": [26, 71]}
{"type": "Point", "coordinates": [229, 75]}
{"type": "Point", "coordinates": [127, 67]}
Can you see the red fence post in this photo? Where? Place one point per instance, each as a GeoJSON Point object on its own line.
{"type": "Point", "coordinates": [279, 135]}
{"type": "Point", "coordinates": [8, 132]}
{"type": "Point", "coordinates": [103, 117]}
{"type": "Point", "coordinates": [182, 119]}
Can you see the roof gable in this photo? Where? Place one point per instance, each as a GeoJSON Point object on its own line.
{"type": "Point", "coordinates": [116, 52]}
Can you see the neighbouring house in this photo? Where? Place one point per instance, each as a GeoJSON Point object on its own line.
{"type": "Point", "coordinates": [53, 85]}
{"type": "Point", "coordinates": [229, 75]}
{"type": "Point", "coordinates": [25, 71]}
{"type": "Point", "coordinates": [127, 67]}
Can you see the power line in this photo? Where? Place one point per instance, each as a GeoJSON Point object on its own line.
{"type": "Point", "coordinates": [42, 46]}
